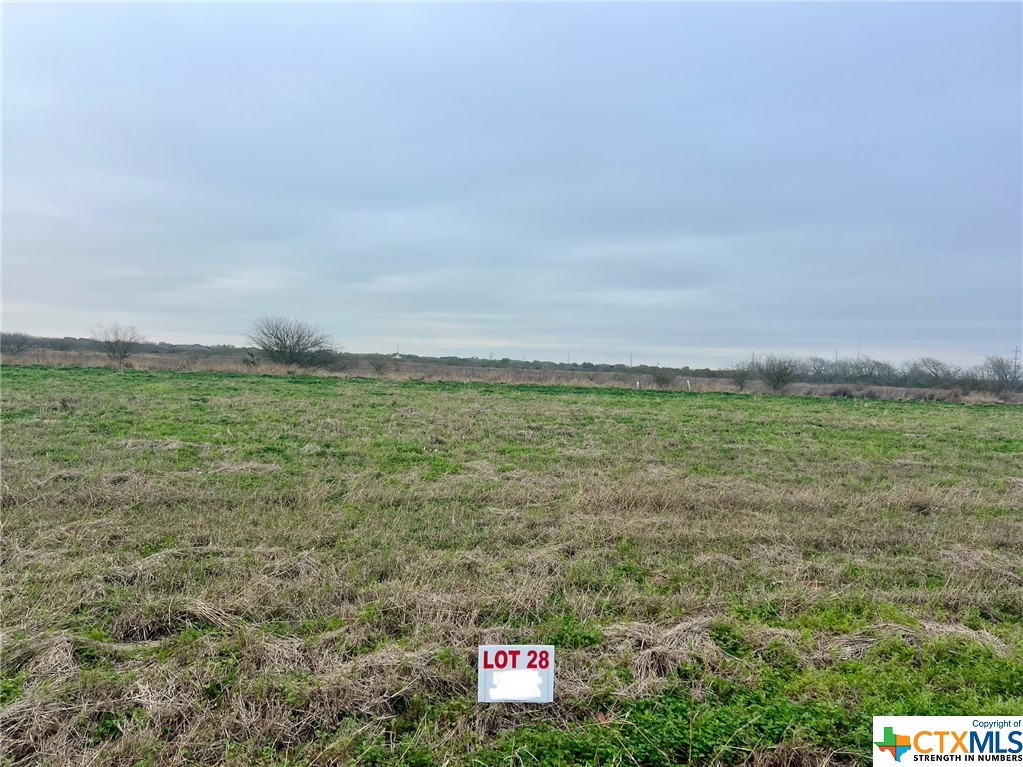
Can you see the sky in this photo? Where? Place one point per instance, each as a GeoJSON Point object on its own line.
{"type": "Point", "coordinates": [684, 183]}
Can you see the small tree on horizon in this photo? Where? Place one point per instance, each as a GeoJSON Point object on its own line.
{"type": "Point", "coordinates": [119, 342]}
{"type": "Point", "coordinates": [930, 372]}
{"type": "Point", "coordinates": [741, 373]}
{"type": "Point", "coordinates": [1004, 372]}
{"type": "Point", "coordinates": [778, 371]}
{"type": "Point", "coordinates": [288, 341]}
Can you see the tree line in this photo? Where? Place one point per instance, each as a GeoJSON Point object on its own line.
{"type": "Point", "coordinates": [296, 343]}
{"type": "Point", "coordinates": [777, 371]}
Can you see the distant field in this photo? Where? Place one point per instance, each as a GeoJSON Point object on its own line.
{"type": "Point", "coordinates": [416, 371]}
{"type": "Point", "coordinates": [226, 569]}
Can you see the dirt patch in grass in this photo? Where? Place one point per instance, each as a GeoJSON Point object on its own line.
{"type": "Point", "coordinates": [246, 467]}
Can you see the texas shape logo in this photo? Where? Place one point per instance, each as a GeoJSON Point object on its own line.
{"type": "Point", "coordinates": [894, 744]}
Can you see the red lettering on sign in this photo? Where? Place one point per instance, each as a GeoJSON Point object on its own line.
{"type": "Point", "coordinates": [510, 659]}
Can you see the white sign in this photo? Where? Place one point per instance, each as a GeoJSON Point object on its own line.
{"type": "Point", "coordinates": [521, 673]}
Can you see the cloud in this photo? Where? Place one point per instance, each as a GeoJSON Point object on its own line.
{"type": "Point", "coordinates": [681, 182]}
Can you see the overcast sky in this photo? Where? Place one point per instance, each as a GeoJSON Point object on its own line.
{"type": "Point", "coordinates": [686, 183]}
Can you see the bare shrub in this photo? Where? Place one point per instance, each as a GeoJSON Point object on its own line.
{"type": "Point", "coordinates": [820, 370]}
{"type": "Point", "coordinates": [778, 371]}
{"type": "Point", "coordinates": [119, 342]}
{"type": "Point", "coordinates": [741, 374]}
{"type": "Point", "coordinates": [288, 341]}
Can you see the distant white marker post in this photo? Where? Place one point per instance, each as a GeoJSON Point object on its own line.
{"type": "Point", "coordinates": [516, 674]}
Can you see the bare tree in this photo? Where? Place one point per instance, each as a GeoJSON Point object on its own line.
{"type": "Point", "coordinates": [820, 370]}
{"type": "Point", "coordinates": [1003, 372]}
{"type": "Point", "coordinates": [928, 371]}
{"type": "Point", "coordinates": [15, 343]}
{"type": "Point", "coordinates": [288, 341]}
{"type": "Point", "coordinates": [778, 371]}
{"type": "Point", "coordinates": [880, 373]}
{"type": "Point", "coordinates": [119, 342]}
{"type": "Point", "coordinates": [741, 374]}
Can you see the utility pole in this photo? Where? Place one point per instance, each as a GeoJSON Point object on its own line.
{"type": "Point", "coordinates": [857, 348]}
{"type": "Point", "coordinates": [630, 359]}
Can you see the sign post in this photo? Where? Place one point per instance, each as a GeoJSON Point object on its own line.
{"type": "Point", "coordinates": [516, 674]}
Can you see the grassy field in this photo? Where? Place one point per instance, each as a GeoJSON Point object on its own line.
{"type": "Point", "coordinates": [229, 569]}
